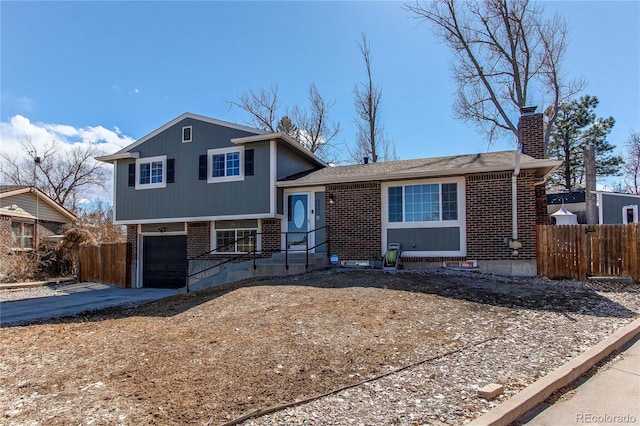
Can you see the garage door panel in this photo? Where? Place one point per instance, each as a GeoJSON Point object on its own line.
{"type": "Point", "coordinates": [165, 261]}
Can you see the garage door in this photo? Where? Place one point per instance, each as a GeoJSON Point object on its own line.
{"type": "Point", "coordinates": [165, 261]}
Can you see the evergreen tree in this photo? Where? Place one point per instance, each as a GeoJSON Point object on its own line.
{"type": "Point", "coordinates": [577, 126]}
{"type": "Point", "coordinates": [286, 126]}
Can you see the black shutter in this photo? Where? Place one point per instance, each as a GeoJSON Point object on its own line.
{"type": "Point", "coordinates": [202, 167]}
{"type": "Point", "coordinates": [248, 162]}
{"type": "Point", "coordinates": [132, 174]}
{"type": "Point", "coordinates": [171, 171]}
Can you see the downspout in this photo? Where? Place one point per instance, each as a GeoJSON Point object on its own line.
{"type": "Point", "coordinates": [514, 243]}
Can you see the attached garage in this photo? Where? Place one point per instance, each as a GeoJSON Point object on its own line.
{"type": "Point", "coordinates": [164, 261]}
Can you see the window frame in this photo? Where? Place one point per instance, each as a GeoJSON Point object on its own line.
{"type": "Point", "coordinates": [21, 237]}
{"type": "Point", "coordinates": [190, 134]}
{"type": "Point", "coordinates": [460, 223]}
{"type": "Point", "coordinates": [405, 211]}
{"type": "Point", "coordinates": [150, 161]}
{"type": "Point", "coordinates": [214, 238]}
{"type": "Point", "coordinates": [225, 151]}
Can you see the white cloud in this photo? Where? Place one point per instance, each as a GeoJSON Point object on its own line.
{"type": "Point", "coordinates": [18, 128]}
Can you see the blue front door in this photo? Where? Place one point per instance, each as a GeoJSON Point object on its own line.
{"type": "Point", "coordinates": [297, 221]}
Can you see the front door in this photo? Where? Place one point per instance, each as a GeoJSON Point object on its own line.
{"type": "Point", "coordinates": [298, 221]}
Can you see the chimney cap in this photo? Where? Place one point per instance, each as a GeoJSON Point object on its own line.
{"type": "Point", "coordinates": [528, 110]}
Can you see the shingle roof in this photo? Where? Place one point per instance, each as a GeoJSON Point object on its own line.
{"type": "Point", "coordinates": [425, 167]}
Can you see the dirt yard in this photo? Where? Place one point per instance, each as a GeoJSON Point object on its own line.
{"type": "Point", "coordinates": [213, 356]}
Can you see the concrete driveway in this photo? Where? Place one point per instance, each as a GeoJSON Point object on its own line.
{"type": "Point", "coordinates": [76, 298]}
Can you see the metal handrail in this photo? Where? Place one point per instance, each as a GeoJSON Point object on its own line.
{"type": "Point", "coordinates": [254, 251]}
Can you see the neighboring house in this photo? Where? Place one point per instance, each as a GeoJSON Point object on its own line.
{"type": "Point", "coordinates": [613, 207]}
{"type": "Point", "coordinates": [198, 184]}
{"type": "Point", "coordinates": [30, 216]}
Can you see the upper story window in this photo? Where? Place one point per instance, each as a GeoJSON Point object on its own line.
{"type": "Point", "coordinates": [431, 202]}
{"type": "Point", "coordinates": [225, 164]}
{"type": "Point", "coordinates": [186, 134]}
{"type": "Point", "coordinates": [151, 172]}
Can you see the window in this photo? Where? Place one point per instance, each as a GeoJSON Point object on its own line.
{"type": "Point", "coordinates": [225, 164]}
{"type": "Point", "coordinates": [22, 234]}
{"type": "Point", "coordinates": [423, 203]}
{"type": "Point", "coordinates": [235, 236]}
{"type": "Point", "coordinates": [186, 134]}
{"type": "Point", "coordinates": [151, 172]}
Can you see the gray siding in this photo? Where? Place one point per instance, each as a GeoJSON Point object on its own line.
{"type": "Point", "coordinates": [40, 209]}
{"type": "Point", "coordinates": [188, 196]}
{"type": "Point", "coordinates": [425, 239]}
{"type": "Point", "coordinates": [612, 207]}
{"type": "Point", "coordinates": [291, 163]}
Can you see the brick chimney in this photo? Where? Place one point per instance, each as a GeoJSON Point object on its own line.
{"type": "Point", "coordinates": [531, 127]}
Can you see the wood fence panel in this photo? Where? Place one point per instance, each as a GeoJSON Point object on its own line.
{"type": "Point", "coordinates": [579, 251]}
{"type": "Point", "coordinates": [107, 263]}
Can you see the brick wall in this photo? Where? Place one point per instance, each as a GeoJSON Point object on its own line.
{"type": "Point", "coordinates": [271, 238]}
{"type": "Point", "coordinates": [488, 197]}
{"type": "Point", "coordinates": [46, 229]}
{"type": "Point", "coordinates": [198, 238]}
{"type": "Point", "coordinates": [354, 220]}
{"type": "Point", "coordinates": [132, 238]}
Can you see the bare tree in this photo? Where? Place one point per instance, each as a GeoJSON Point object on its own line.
{"type": "Point", "coordinates": [64, 175]}
{"type": "Point", "coordinates": [371, 140]}
{"type": "Point", "coordinates": [316, 130]}
{"type": "Point", "coordinates": [505, 52]}
{"type": "Point", "coordinates": [632, 165]}
{"type": "Point", "coordinates": [262, 107]}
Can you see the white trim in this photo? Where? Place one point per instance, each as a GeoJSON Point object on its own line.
{"type": "Point", "coordinates": [273, 176]}
{"type": "Point", "coordinates": [117, 156]}
{"type": "Point", "coordinates": [599, 206]}
{"type": "Point", "coordinates": [139, 268]}
{"type": "Point", "coordinates": [213, 242]}
{"type": "Point", "coordinates": [632, 207]}
{"type": "Point", "coordinates": [224, 151]}
{"type": "Point", "coordinates": [310, 192]}
{"type": "Point", "coordinates": [190, 134]}
{"type": "Point", "coordinates": [461, 222]}
{"type": "Point", "coordinates": [113, 194]}
{"type": "Point", "coordinates": [195, 219]}
{"type": "Point", "coordinates": [150, 160]}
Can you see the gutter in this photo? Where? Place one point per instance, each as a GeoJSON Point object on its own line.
{"type": "Point", "coordinates": [514, 244]}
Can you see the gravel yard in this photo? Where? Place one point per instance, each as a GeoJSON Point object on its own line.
{"type": "Point", "coordinates": [410, 348]}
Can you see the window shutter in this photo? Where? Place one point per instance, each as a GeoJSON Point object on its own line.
{"type": "Point", "coordinates": [132, 174]}
{"type": "Point", "coordinates": [202, 167]}
{"type": "Point", "coordinates": [248, 162]}
{"type": "Point", "coordinates": [171, 164]}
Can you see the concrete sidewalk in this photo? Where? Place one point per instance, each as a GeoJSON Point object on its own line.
{"type": "Point", "coordinates": [77, 298]}
{"type": "Point", "coordinates": [611, 396]}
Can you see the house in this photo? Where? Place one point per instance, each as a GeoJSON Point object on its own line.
{"type": "Point", "coordinates": [613, 207]}
{"type": "Point", "coordinates": [198, 184]}
{"type": "Point", "coordinates": [30, 216]}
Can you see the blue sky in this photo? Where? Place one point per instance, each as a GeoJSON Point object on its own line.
{"type": "Point", "coordinates": [112, 72]}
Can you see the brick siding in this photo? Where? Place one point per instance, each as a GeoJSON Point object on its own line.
{"type": "Point", "coordinates": [198, 238]}
{"type": "Point", "coordinates": [488, 197]}
{"type": "Point", "coordinates": [272, 237]}
{"type": "Point", "coordinates": [132, 238]}
{"type": "Point", "coordinates": [354, 220]}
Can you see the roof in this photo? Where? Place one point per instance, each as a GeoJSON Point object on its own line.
{"type": "Point", "coordinates": [458, 165]}
{"type": "Point", "coordinates": [125, 152]}
{"type": "Point", "coordinates": [283, 137]}
{"type": "Point", "coordinates": [16, 211]}
{"type": "Point", "coordinates": [10, 190]}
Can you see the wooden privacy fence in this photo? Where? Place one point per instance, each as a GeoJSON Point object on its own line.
{"type": "Point", "coordinates": [107, 263]}
{"type": "Point", "coordinates": [581, 251]}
